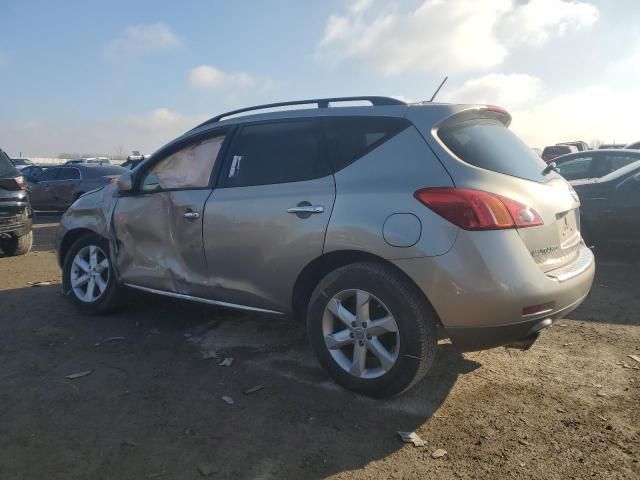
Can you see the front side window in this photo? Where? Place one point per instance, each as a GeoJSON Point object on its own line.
{"type": "Point", "coordinates": [280, 152]}
{"type": "Point", "coordinates": [576, 168]}
{"type": "Point", "coordinates": [189, 167]}
{"type": "Point", "coordinates": [49, 174]}
{"type": "Point", "coordinates": [613, 162]}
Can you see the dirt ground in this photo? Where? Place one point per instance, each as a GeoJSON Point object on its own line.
{"type": "Point", "coordinates": [152, 405]}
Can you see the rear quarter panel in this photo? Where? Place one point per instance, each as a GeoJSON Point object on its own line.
{"type": "Point", "coordinates": [380, 184]}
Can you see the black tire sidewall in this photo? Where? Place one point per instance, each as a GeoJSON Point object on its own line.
{"type": "Point", "coordinates": [107, 301]}
{"type": "Point", "coordinates": [406, 306]}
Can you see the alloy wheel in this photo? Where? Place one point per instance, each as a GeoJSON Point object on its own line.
{"type": "Point", "coordinates": [89, 273]}
{"type": "Point", "coordinates": [361, 334]}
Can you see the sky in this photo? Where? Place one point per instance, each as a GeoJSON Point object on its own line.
{"type": "Point", "coordinates": [108, 77]}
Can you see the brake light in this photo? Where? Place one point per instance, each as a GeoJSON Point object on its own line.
{"type": "Point", "coordinates": [496, 109]}
{"type": "Point", "coordinates": [478, 210]}
{"type": "Point", "coordinates": [19, 182]}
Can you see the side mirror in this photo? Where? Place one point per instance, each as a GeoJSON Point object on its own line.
{"type": "Point", "coordinates": [125, 182]}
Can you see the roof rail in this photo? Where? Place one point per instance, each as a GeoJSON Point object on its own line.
{"type": "Point", "coordinates": [320, 102]}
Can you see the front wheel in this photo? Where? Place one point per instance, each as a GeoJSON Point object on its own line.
{"type": "Point", "coordinates": [372, 330]}
{"type": "Point", "coordinates": [88, 278]}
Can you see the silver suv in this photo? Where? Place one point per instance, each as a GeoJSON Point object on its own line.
{"type": "Point", "coordinates": [384, 227]}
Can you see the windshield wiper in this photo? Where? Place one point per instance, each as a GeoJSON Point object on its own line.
{"type": "Point", "coordinates": [549, 167]}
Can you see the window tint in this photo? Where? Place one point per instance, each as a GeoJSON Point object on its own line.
{"type": "Point", "coordinates": [612, 162]}
{"type": "Point", "coordinates": [576, 168]}
{"type": "Point", "coordinates": [279, 152]}
{"type": "Point", "coordinates": [490, 145]}
{"type": "Point", "coordinates": [349, 138]}
{"type": "Point", "coordinates": [49, 174]}
{"type": "Point", "coordinates": [190, 167]}
{"type": "Point", "coordinates": [68, 174]}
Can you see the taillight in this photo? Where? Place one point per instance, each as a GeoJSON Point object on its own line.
{"type": "Point", "coordinates": [19, 182]}
{"type": "Point", "coordinates": [478, 210]}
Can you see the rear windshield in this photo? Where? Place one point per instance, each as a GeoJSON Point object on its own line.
{"type": "Point", "coordinates": [556, 150]}
{"type": "Point", "coordinates": [490, 145]}
{"type": "Point", "coordinates": [6, 166]}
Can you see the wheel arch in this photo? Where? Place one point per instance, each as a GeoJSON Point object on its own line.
{"type": "Point", "coordinates": [318, 268]}
{"type": "Point", "coordinates": [69, 238]}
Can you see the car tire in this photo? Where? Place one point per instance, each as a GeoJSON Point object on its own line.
{"type": "Point", "coordinates": [88, 278]}
{"type": "Point", "coordinates": [406, 354]}
{"type": "Point", "coordinates": [17, 244]}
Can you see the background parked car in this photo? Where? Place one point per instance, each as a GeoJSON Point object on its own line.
{"type": "Point", "coordinates": [553, 151]}
{"type": "Point", "coordinates": [594, 163]}
{"type": "Point", "coordinates": [579, 144]}
{"type": "Point", "coordinates": [93, 160]}
{"type": "Point", "coordinates": [610, 207]}
{"type": "Point", "coordinates": [21, 163]}
{"type": "Point", "coordinates": [607, 146]}
{"type": "Point", "coordinates": [633, 146]}
{"type": "Point", "coordinates": [58, 187]}
{"type": "Point", "coordinates": [15, 213]}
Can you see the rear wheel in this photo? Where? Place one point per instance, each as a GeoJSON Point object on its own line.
{"type": "Point", "coordinates": [17, 244]}
{"type": "Point", "coordinates": [372, 330]}
{"type": "Point", "coordinates": [88, 278]}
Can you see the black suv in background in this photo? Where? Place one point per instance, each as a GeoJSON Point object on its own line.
{"type": "Point", "coordinates": [16, 236]}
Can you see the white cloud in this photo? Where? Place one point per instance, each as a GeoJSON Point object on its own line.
{"type": "Point", "coordinates": [451, 36]}
{"type": "Point", "coordinates": [140, 39]}
{"type": "Point", "coordinates": [145, 132]}
{"type": "Point", "coordinates": [535, 22]}
{"type": "Point", "coordinates": [506, 90]}
{"type": "Point", "coordinates": [207, 76]}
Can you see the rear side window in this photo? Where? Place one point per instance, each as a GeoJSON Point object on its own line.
{"type": "Point", "coordinates": [6, 166]}
{"type": "Point", "coordinates": [349, 138]}
{"type": "Point", "coordinates": [281, 152]}
{"type": "Point", "coordinates": [69, 174]}
{"type": "Point", "coordinates": [490, 145]}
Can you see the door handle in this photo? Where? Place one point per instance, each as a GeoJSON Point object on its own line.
{"type": "Point", "coordinates": [306, 209]}
{"type": "Point", "coordinates": [189, 215]}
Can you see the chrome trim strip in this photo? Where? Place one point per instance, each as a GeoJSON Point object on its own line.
{"type": "Point", "coordinates": [183, 296]}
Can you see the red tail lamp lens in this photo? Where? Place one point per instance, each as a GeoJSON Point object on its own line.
{"type": "Point", "coordinates": [478, 210]}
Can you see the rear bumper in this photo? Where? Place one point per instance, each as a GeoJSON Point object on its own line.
{"type": "Point", "coordinates": [15, 217]}
{"type": "Point", "coordinates": [480, 287]}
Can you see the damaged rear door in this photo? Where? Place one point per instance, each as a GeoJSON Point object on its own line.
{"type": "Point", "coordinates": [158, 227]}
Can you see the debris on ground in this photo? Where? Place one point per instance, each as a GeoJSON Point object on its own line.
{"type": "Point", "coordinates": [227, 399]}
{"type": "Point", "coordinates": [635, 357]}
{"type": "Point", "coordinates": [255, 389]}
{"type": "Point", "coordinates": [40, 284]}
{"type": "Point", "coordinates": [128, 443]}
{"type": "Point", "coordinates": [561, 410]}
{"type": "Point", "coordinates": [439, 453]}
{"type": "Point", "coordinates": [524, 442]}
{"type": "Point", "coordinates": [107, 340]}
{"type": "Point", "coordinates": [156, 475]}
{"type": "Point", "coordinates": [412, 437]}
{"type": "Point", "coordinates": [84, 373]}
{"type": "Point", "coordinates": [226, 362]}
{"type": "Point", "coordinates": [206, 470]}
{"type": "Point", "coordinates": [602, 394]}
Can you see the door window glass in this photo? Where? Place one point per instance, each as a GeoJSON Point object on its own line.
{"type": "Point", "coordinates": [68, 174]}
{"type": "Point", "coordinates": [49, 174]}
{"type": "Point", "coordinates": [349, 138]}
{"type": "Point", "coordinates": [281, 152]}
{"type": "Point", "coordinates": [576, 168]}
{"type": "Point", "coordinates": [190, 167]}
{"type": "Point", "coordinates": [613, 162]}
